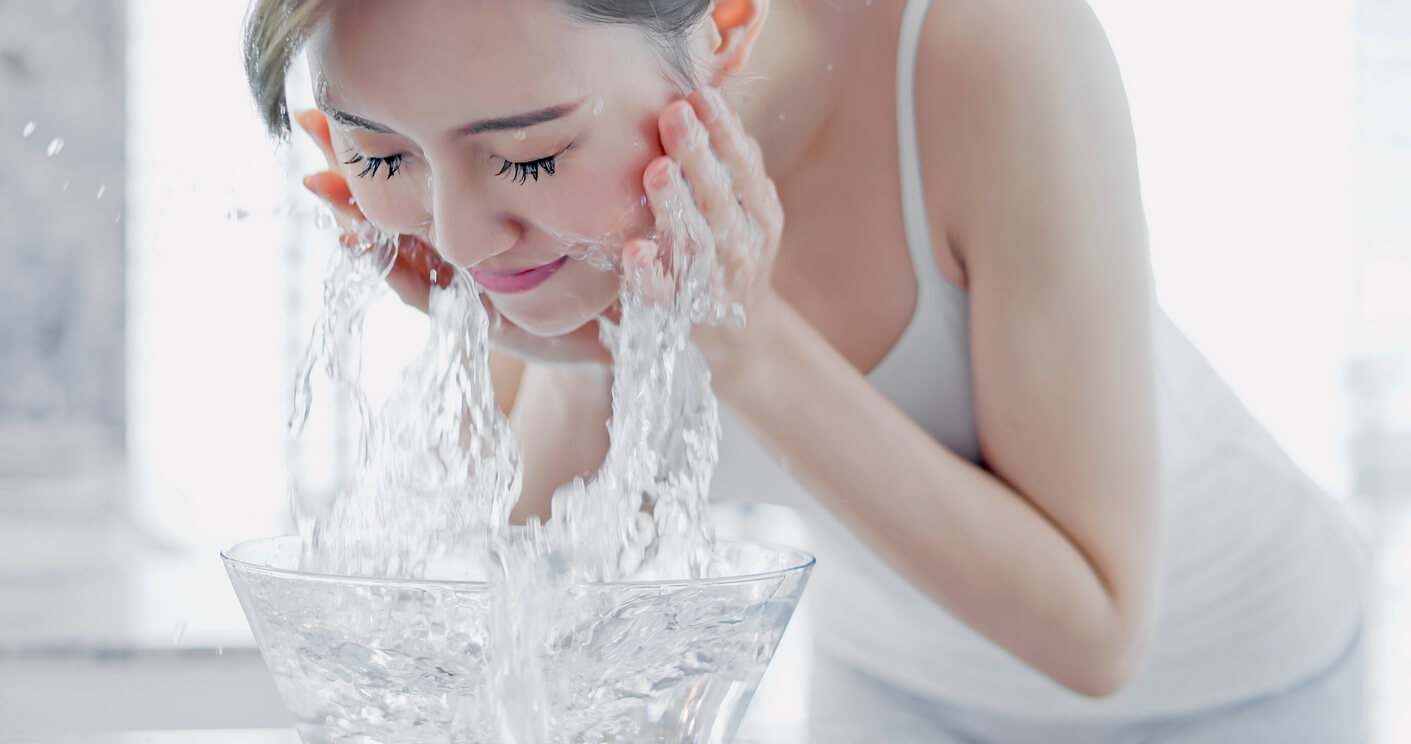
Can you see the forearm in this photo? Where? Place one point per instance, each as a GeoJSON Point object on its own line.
{"type": "Point", "coordinates": [959, 533]}
{"type": "Point", "coordinates": [560, 419]}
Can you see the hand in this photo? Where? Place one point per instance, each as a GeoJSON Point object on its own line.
{"type": "Point", "coordinates": [417, 263]}
{"type": "Point", "coordinates": [710, 194]}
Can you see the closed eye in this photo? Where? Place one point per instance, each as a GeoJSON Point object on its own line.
{"type": "Point", "coordinates": [524, 171]}
{"type": "Point", "coordinates": [372, 164]}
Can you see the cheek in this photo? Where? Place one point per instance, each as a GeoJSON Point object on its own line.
{"type": "Point", "coordinates": [606, 201]}
{"type": "Point", "coordinates": [393, 205]}
{"type": "Point", "coordinates": [390, 204]}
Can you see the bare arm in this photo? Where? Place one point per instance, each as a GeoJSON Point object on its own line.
{"type": "Point", "coordinates": [1051, 550]}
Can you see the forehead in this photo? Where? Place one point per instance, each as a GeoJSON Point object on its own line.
{"type": "Point", "coordinates": [428, 59]}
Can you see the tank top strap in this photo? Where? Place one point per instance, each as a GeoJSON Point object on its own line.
{"type": "Point", "coordinates": [929, 279]}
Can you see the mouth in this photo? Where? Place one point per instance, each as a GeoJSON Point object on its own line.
{"type": "Point", "coordinates": [514, 282]}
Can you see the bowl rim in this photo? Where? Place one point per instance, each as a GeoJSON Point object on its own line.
{"type": "Point", "coordinates": [803, 562]}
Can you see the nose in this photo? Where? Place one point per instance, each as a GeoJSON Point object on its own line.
{"type": "Point", "coordinates": [465, 228]}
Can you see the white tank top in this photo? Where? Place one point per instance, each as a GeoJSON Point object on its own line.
{"type": "Point", "coordinates": [1263, 581]}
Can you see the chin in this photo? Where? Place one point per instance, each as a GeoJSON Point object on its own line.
{"type": "Point", "coordinates": [555, 318]}
{"type": "Point", "coordinates": [549, 326]}
{"type": "Point", "coordinates": [570, 300]}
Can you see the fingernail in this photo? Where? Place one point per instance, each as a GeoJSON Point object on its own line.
{"type": "Point", "coordinates": [662, 178]}
{"type": "Point", "coordinates": [309, 184]}
{"type": "Point", "coordinates": [683, 119]}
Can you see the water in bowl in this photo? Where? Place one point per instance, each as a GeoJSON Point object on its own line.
{"type": "Point", "coordinates": [408, 609]}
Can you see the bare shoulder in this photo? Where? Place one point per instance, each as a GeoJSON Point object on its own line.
{"type": "Point", "coordinates": [999, 82]}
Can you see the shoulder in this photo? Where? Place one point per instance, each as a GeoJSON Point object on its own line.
{"type": "Point", "coordinates": [1008, 92]}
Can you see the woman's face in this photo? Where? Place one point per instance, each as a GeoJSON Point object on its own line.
{"type": "Point", "coordinates": [447, 111]}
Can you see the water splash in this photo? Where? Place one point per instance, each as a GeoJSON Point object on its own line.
{"type": "Point", "coordinates": [28, 130]}
{"type": "Point", "coordinates": [56, 146]}
{"type": "Point", "coordinates": [437, 470]}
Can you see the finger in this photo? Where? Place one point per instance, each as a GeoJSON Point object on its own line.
{"type": "Point", "coordinates": [427, 263]}
{"type": "Point", "coordinates": [409, 284]}
{"type": "Point", "coordinates": [681, 227]}
{"type": "Point", "coordinates": [742, 157]}
{"type": "Point", "coordinates": [686, 139]}
{"type": "Point", "coordinates": [416, 268]}
{"type": "Point", "coordinates": [333, 188]}
{"type": "Point", "coordinates": [645, 273]}
{"type": "Point", "coordinates": [316, 124]}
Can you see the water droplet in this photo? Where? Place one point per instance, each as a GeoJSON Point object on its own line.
{"type": "Point", "coordinates": [117, 219]}
{"type": "Point", "coordinates": [64, 189]}
{"type": "Point", "coordinates": [178, 632]}
{"type": "Point", "coordinates": [782, 117]}
{"type": "Point", "coordinates": [520, 135]}
{"type": "Point", "coordinates": [352, 201]}
{"type": "Point", "coordinates": [644, 200]}
{"type": "Point", "coordinates": [101, 190]}
{"type": "Point", "coordinates": [597, 107]}
{"type": "Point", "coordinates": [830, 67]}
{"type": "Point", "coordinates": [220, 650]}
{"type": "Point", "coordinates": [237, 214]}
{"type": "Point", "coordinates": [55, 145]}
{"type": "Point", "coordinates": [28, 129]}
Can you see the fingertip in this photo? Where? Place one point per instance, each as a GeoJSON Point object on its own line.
{"type": "Point", "coordinates": [330, 186]}
{"type": "Point", "coordinates": [659, 172]}
{"type": "Point", "coordinates": [707, 103]}
{"type": "Point", "coordinates": [319, 183]}
{"type": "Point", "coordinates": [638, 254]}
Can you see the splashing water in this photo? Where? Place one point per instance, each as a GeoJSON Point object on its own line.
{"type": "Point", "coordinates": [56, 146]}
{"type": "Point", "coordinates": [438, 472]}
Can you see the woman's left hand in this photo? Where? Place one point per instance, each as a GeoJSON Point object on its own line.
{"type": "Point", "coordinates": [712, 186]}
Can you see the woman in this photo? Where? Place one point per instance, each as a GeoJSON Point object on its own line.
{"type": "Point", "coordinates": [1039, 514]}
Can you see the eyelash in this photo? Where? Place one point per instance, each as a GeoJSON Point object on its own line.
{"type": "Point", "coordinates": [393, 163]}
{"type": "Point", "coordinates": [522, 172]}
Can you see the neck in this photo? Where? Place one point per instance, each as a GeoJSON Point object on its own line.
{"type": "Point", "coordinates": [787, 91]}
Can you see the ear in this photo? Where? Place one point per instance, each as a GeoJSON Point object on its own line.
{"type": "Point", "coordinates": [733, 27]}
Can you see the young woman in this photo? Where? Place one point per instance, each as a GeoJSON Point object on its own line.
{"type": "Point", "coordinates": [1039, 514]}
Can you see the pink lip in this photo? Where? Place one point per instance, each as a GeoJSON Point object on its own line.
{"type": "Point", "coordinates": [513, 282]}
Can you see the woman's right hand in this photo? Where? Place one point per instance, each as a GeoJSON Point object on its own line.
{"type": "Point", "coordinates": [418, 262]}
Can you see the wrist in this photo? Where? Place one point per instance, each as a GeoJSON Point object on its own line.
{"type": "Point", "coordinates": [771, 333]}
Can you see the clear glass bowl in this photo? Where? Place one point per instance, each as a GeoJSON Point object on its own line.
{"type": "Point", "coordinates": [408, 661]}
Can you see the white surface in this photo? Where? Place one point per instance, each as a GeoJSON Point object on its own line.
{"type": "Point", "coordinates": [280, 736]}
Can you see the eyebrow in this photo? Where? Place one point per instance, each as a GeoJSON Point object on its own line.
{"type": "Point", "coordinates": [517, 121]}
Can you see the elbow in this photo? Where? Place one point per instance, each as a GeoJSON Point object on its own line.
{"type": "Point", "coordinates": [1112, 664]}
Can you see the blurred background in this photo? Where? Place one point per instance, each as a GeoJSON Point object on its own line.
{"type": "Point", "coordinates": [161, 268]}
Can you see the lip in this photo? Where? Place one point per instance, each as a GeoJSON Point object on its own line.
{"type": "Point", "coordinates": [514, 282]}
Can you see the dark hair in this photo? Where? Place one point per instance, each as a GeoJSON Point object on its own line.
{"type": "Point", "coordinates": [276, 30]}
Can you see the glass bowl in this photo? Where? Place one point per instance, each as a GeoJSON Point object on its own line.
{"type": "Point", "coordinates": [392, 661]}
